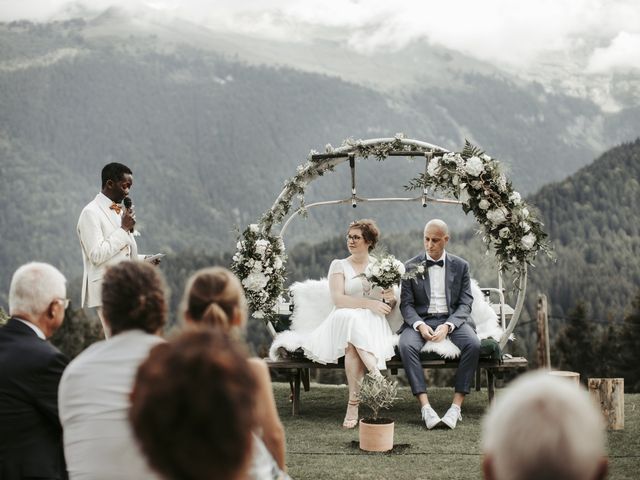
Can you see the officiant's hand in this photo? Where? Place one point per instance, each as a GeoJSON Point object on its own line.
{"type": "Point", "coordinates": [441, 332]}
{"type": "Point", "coordinates": [376, 306]}
{"type": "Point", "coordinates": [426, 331]}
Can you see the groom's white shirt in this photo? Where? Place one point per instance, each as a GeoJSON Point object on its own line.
{"type": "Point", "coordinates": [103, 243]}
{"type": "Point", "coordinates": [438, 297]}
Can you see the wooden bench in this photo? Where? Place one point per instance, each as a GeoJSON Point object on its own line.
{"type": "Point", "coordinates": [298, 370]}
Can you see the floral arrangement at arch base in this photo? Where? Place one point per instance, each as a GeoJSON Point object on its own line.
{"type": "Point", "coordinates": [259, 263]}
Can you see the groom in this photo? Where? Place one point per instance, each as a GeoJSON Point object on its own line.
{"type": "Point", "coordinates": [435, 304]}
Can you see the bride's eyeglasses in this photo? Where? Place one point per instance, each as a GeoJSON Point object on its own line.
{"type": "Point", "coordinates": [355, 238]}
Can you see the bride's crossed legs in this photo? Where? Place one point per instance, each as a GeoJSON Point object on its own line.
{"type": "Point", "coordinates": [356, 362]}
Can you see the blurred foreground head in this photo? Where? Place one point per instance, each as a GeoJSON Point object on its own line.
{"type": "Point", "coordinates": [541, 428]}
{"type": "Point", "coordinates": [192, 407]}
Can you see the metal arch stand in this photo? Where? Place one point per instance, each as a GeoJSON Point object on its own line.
{"type": "Point", "coordinates": [348, 152]}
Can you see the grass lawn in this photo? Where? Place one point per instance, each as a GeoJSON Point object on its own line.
{"type": "Point", "coordinates": [317, 448]}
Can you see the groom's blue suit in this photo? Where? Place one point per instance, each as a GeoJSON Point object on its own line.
{"type": "Point", "coordinates": [414, 305]}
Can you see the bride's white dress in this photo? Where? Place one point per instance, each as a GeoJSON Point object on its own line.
{"type": "Point", "coordinates": [359, 326]}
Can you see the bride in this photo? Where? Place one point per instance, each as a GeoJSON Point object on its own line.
{"type": "Point", "coordinates": [356, 328]}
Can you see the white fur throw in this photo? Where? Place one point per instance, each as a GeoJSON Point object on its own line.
{"type": "Point", "coordinates": [312, 304]}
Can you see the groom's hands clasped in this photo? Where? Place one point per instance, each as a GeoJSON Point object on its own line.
{"type": "Point", "coordinates": [441, 333]}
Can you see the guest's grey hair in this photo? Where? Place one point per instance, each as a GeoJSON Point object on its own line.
{"type": "Point", "coordinates": [33, 287]}
{"type": "Point", "coordinates": [544, 427]}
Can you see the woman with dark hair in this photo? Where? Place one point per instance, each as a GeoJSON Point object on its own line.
{"type": "Point", "coordinates": [192, 405]}
{"type": "Point", "coordinates": [356, 329]}
{"type": "Point", "coordinates": [213, 298]}
{"type": "Point", "coordinates": [94, 390]}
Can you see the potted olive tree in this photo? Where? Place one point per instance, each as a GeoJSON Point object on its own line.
{"type": "Point", "coordinates": [377, 393]}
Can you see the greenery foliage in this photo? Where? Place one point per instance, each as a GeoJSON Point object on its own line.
{"type": "Point", "coordinates": [377, 393]}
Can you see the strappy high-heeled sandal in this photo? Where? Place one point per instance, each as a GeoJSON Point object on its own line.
{"type": "Point", "coordinates": [350, 422]}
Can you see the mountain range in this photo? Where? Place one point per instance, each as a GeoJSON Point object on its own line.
{"type": "Point", "coordinates": [213, 124]}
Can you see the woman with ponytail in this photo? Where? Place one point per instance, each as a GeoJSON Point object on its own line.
{"type": "Point", "coordinates": [213, 298]}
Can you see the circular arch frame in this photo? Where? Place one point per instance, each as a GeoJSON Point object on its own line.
{"type": "Point", "coordinates": [259, 261]}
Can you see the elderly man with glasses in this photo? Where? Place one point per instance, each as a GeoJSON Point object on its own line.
{"type": "Point", "coordinates": [30, 371]}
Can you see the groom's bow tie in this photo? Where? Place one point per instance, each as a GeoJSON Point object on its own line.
{"type": "Point", "coordinates": [431, 263]}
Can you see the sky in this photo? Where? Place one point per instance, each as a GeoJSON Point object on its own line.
{"type": "Point", "coordinates": [516, 33]}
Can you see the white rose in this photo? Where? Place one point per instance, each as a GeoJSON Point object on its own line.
{"type": "Point", "coordinates": [237, 257]}
{"type": "Point", "coordinates": [504, 232]}
{"type": "Point", "coordinates": [528, 241]}
{"type": "Point", "coordinates": [434, 166]}
{"type": "Point", "coordinates": [255, 281]}
{"type": "Point", "coordinates": [277, 263]}
{"type": "Point", "coordinates": [376, 270]}
{"type": "Point", "coordinates": [476, 184]}
{"type": "Point", "coordinates": [239, 245]}
{"type": "Point", "coordinates": [254, 228]}
{"type": "Point", "coordinates": [258, 314]}
{"type": "Point", "coordinates": [261, 246]}
{"type": "Point", "coordinates": [484, 204]}
{"type": "Point", "coordinates": [515, 198]}
{"type": "Point", "coordinates": [399, 266]}
{"type": "Point", "coordinates": [420, 269]}
{"type": "Point", "coordinates": [502, 183]}
{"type": "Point", "coordinates": [497, 215]}
{"type": "Point", "coordinates": [525, 226]}
{"type": "Point", "coordinates": [474, 166]}
{"type": "Point", "coordinates": [257, 266]}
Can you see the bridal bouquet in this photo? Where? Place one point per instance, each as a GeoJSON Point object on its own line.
{"type": "Point", "coordinates": [385, 271]}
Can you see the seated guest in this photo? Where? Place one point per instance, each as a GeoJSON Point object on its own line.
{"type": "Point", "coordinates": [192, 406]}
{"type": "Point", "coordinates": [543, 427]}
{"type": "Point", "coordinates": [213, 298]}
{"type": "Point", "coordinates": [30, 370]}
{"type": "Point", "coordinates": [95, 388]}
{"type": "Point", "coordinates": [356, 328]}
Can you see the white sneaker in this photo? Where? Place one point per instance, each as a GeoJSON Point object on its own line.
{"type": "Point", "coordinates": [430, 417]}
{"type": "Point", "coordinates": [452, 417]}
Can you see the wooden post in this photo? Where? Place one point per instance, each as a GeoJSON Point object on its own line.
{"type": "Point", "coordinates": [572, 376]}
{"type": "Point", "coordinates": [608, 393]}
{"type": "Point", "coordinates": [544, 355]}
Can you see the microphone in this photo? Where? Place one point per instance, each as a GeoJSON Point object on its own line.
{"type": "Point", "coordinates": [128, 203]}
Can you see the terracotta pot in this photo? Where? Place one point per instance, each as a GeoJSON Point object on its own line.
{"type": "Point", "coordinates": [376, 437]}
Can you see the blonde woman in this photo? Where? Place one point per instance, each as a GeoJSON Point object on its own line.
{"type": "Point", "coordinates": [214, 298]}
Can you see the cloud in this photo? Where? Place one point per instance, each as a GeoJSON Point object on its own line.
{"type": "Point", "coordinates": [501, 31]}
{"type": "Point", "coordinates": [623, 54]}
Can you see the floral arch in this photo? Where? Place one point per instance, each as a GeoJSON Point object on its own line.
{"type": "Point", "coordinates": [469, 178]}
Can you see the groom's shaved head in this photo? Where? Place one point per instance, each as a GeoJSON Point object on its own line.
{"type": "Point", "coordinates": [439, 224]}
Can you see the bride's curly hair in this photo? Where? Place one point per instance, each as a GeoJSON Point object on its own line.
{"type": "Point", "coordinates": [369, 229]}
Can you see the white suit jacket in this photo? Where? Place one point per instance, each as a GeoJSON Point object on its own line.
{"type": "Point", "coordinates": [103, 243]}
{"type": "Point", "coordinates": [93, 404]}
